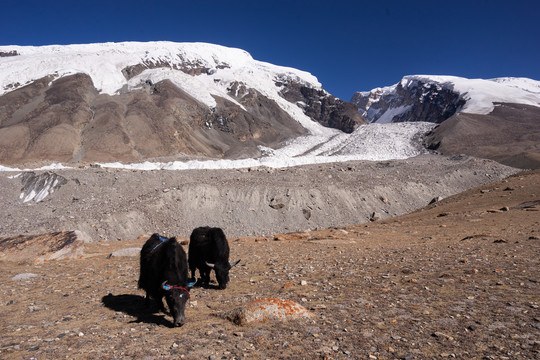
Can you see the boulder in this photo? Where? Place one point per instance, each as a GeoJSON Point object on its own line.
{"type": "Point", "coordinates": [40, 248]}
{"type": "Point", "coordinates": [262, 310]}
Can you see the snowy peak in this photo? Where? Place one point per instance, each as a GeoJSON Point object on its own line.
{"type": "Point", "coordinates": [111, 65]}
{"type": "Point", "coordinates": [436, 98]}
{"type": "Point", "coordinates": [133, 101]}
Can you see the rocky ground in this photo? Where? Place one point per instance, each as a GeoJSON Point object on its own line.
{"type": "Point", "coordinates": [457, 279]}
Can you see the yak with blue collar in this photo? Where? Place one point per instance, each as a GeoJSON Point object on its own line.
{"type": "Point", "coordinates": [209, 249]}
{"type": "Point", "coordinates": [164, 273]}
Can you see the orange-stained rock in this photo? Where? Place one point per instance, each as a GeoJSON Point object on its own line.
{"type": "Point", "coordinates": [261, 310]}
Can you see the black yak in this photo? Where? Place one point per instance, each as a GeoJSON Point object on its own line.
{"type": "Point", "coordinates": [209, 249]}
{"type": "Point", "coordinates": [164, 273]}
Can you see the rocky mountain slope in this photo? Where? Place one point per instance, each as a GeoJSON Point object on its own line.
{"type": "Point", "coordinates": [509, 135]}
{"type": "Point", "coordinates": [496, 119]}
{"type": "Point", "coordinates": [136, 101]}
{"type": "Point", "coordinates": [437, 98]}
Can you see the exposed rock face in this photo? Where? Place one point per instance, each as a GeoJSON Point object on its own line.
{"type": "Point", "coordinates": [410, 100]}
{"type": "Point", "coordinates": [8, 53]}
{"type": "Point", "coordinates": [38, 187]}
{"type": "Point", "coordinates": [67, 120]}
{"type": "Point", "coordinates": [323, 107]}
{"type": "Point", "coordinates": [189, 67]}
{"type": "Point", "coordinates": [45, 247]}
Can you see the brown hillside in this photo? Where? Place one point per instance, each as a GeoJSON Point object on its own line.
{"type": "Point", "coordinates": [67, 120]}
{"type": "Point", "coordinates": [509, 135]}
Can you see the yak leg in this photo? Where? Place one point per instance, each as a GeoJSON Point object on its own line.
{"type": "Point", "coordinates": [157, 301]}
{"type": "Point", "coordinates": [205, 276]}
{"type": "Point", "coordinates": [193, 270]}
{"type": "Point", "coordinates": [147, 301]}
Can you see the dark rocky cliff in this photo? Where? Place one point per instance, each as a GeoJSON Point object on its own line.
{"type": "Point", "coordinates": [322, 107]}
{"type": "Point", "coordinates": [409, 100]}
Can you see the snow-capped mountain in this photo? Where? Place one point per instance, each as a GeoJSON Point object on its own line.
{"type": "Point", "coordinates": [436, 98]}
{"type": "Point", "coordinates": [133, 101]}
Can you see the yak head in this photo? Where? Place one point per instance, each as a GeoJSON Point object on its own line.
{"type": "Point", "coordinates": [222, 272]}
{"type": "Point", "coordinates": [176, 298]}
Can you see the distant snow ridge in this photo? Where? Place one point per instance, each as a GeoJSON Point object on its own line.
{"type": "Point", "coordinates": [436, 98]}
{"type": "Point", "coordinates": [104, 62]}
{"type": "Point", "coordinates": [119, 67]}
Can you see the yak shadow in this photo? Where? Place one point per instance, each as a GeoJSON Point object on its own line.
{"type": "Point", "coordinates": [136, 306]}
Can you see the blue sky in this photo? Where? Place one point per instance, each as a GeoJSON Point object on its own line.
{"type": "Point", "coordinates": [349, 45]}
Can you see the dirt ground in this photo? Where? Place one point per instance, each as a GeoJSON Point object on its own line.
{"type": "Point", "coordinates": [457, 279]}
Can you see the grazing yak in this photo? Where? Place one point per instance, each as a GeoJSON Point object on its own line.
{"type": "Point", "coordinates": [164, 273]}
{"type": "Point", "coordinates": [209, 249]}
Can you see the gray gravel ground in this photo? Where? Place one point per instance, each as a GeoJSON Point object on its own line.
{"type": "Point", "coordinates": [110, 204]}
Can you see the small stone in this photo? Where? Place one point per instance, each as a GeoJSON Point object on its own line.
{"type": "Point", "coordinates": [303, 282]}
{"type": "Point", "coordinates": [24, 276]}
{"type": "Point", "coordinates": [441, 335]}
{"type": "Point", "coordinates": [374, 216]}
{"type": "Point", "coordinates": [435, 199]}
{"type": "Point", "coordinates": [129, 252]}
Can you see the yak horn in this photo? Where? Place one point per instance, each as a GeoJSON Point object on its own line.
{"type": "Point", "coordinates": [164, 286]}
{"type": "Point", "coordinates": [210, 265]}
{"type": "Point", "coordinates": [234, 264]}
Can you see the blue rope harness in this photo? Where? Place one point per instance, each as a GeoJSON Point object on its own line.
{"type": "Point", "coordinates": [162, 239]}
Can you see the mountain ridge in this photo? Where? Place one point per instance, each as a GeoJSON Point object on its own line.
{"type": "Point", "coordinates": [137, 101]}
{"type": "Point", "coordinates": [497, 119]}
{"type": "Point", "coordinates": [435, 98]}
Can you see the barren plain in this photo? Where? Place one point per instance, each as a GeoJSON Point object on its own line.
{"type": "Point", "coordinates": [456, 279]}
